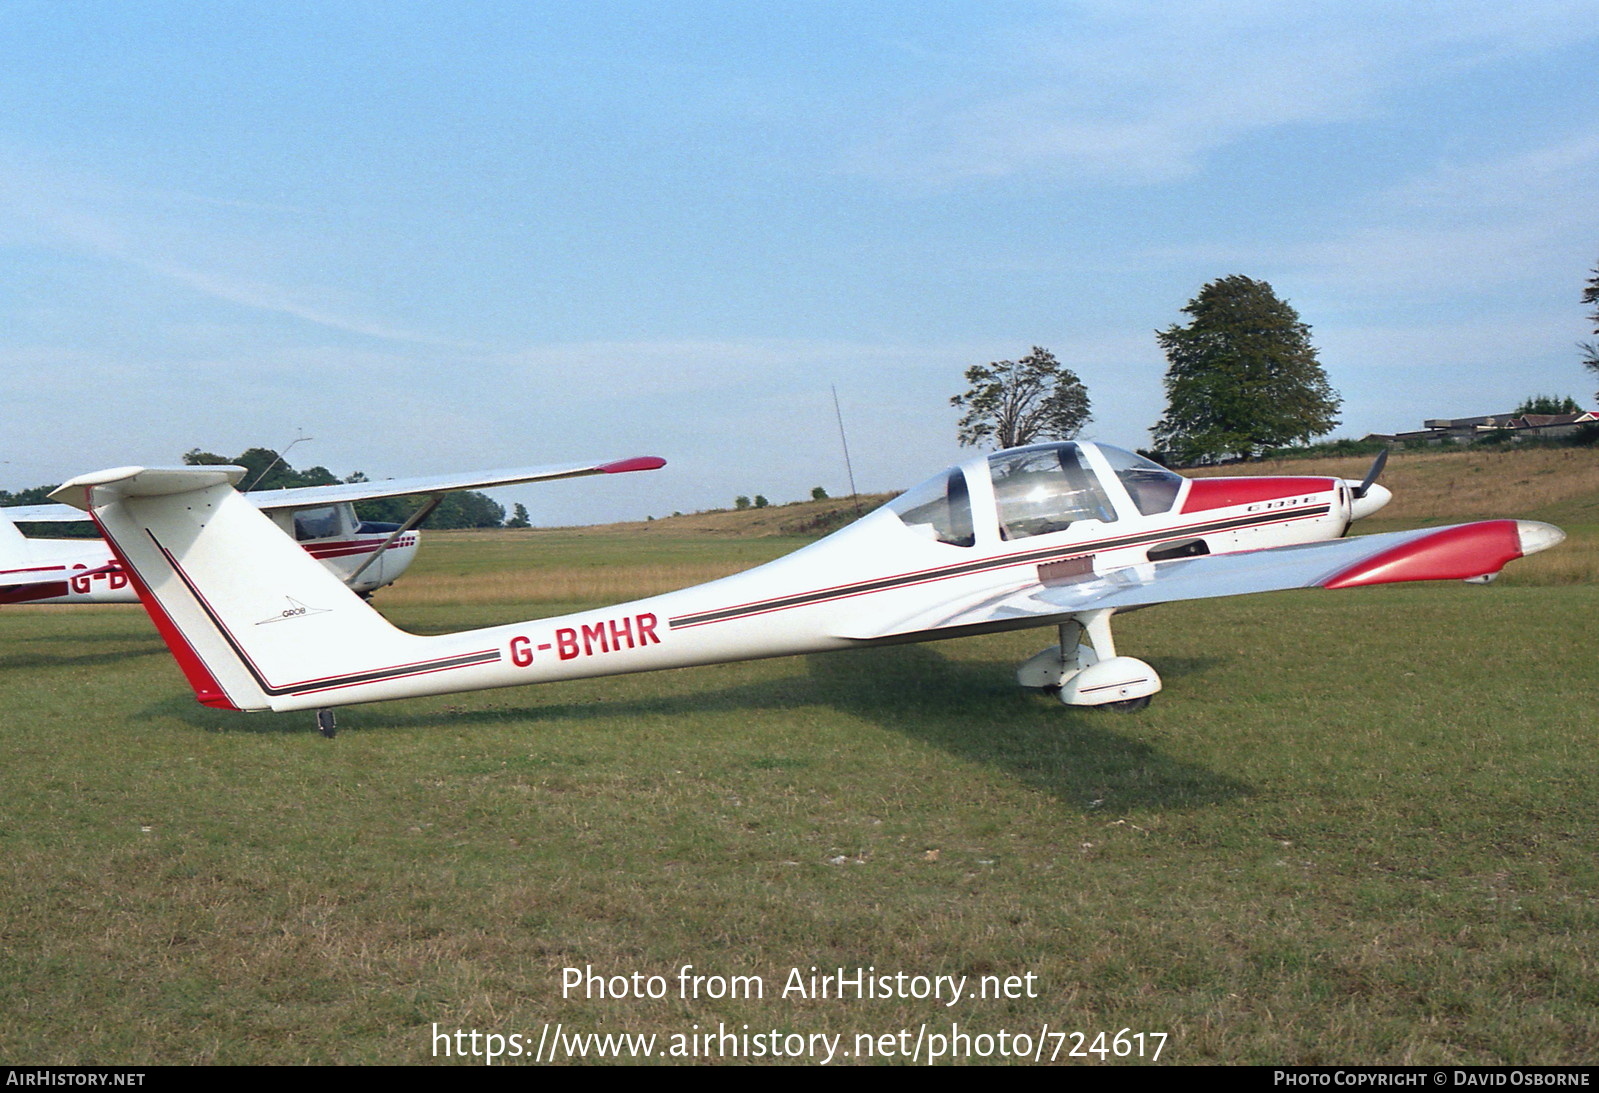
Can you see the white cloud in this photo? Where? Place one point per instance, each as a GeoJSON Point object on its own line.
{"type": "Point", "coordinates": [1465, 230]}
{"type": "Point", "coordinates": [217, 249]}
{"type": "Point", "coordinates": [1142, 93]}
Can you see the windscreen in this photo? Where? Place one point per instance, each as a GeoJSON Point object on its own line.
{"type": "Point", "coordinates": [1152, 487]}
{"type": "Point", "coordinates": [321, 523]}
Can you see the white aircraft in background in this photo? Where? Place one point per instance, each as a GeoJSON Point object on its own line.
{"type": "Point", "coordinates": [1062, 535]}
{"type": "Point", "coordinates": [362, 555]}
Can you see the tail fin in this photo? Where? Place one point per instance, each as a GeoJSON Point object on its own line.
{"type": "Point", "coordinates": [254, 621]}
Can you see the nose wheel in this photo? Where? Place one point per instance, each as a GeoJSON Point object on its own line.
{"type": "Point", "coordinates": [325, 724]}
{"type": "Point", "coordinates": [1090, 675]}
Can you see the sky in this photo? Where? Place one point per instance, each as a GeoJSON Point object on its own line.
{"type": "Point", "coordinates": [447, 236]}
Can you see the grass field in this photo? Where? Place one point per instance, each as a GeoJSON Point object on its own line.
{"type": "Point", "coordinates": [1355, 827]}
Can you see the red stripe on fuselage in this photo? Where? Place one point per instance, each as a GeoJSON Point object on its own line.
{"type": "Point", "coordinates": [344, 548]}
{"type": "Point", "coordinates": [1221, 493]}
{"type": "Point", "coordinates": [4, 573]}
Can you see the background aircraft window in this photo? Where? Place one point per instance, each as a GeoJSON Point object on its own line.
{"type": "Point", "coordinates": [316, 523]}
{"type": "Point", "coordinates": [939, 508]}
{"type": "Point", "coordinates": [1152, 487]}
{"type": "Point", "coordinates": [1046, 489]}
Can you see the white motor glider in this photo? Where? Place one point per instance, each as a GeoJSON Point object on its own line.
{"type": "Point", "coordinates": [363, 555]}
{"type": "Point", "coordinates": [1059, 534]}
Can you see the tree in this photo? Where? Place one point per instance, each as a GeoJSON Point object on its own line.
{"type": "Point", "coordinates": [518, 517]}
{"type": "Point", "coordinates": [466, 509]}
{"type": "Point", "coordinates": [818, 493]}
{"type": "Point", "coordinates": [1590, 296]}
{"type": "Point", "coordinates": [264, 469]}
{"type": "Point", "coordinates": [1547, 404]}
{"type": "Point", "coordinates": [1011, 403]}
{"type": "Point", "coordinates": [1243, 376]}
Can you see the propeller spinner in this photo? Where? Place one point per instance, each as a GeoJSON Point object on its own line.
{"type": "Point", "coordinates": [1368, 497]}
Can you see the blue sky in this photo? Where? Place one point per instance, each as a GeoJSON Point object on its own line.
{"type": "Point", "coordinates": [442, 236]}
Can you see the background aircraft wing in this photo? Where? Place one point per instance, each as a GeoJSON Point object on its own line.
{"type": "Point", "coordinates": [1426, 554]}
{"type": "Point", "coordinates": [302, 496]}
{"type": "Point", "coordinates": [307, 496]}
{"type": "Point", "coordinates": [43, 514]}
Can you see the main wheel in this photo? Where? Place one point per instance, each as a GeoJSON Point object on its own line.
{"type": "Point", "coordinates": [1130, 705]}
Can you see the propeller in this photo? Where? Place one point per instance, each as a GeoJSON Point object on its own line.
{"type": "Point", "coordinates": [1371, 476]}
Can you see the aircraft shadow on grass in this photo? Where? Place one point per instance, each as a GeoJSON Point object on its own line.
{"type": "Point", "coordinates": [971, 710]}
{"type": "Point", "coordinates": [120, 647]}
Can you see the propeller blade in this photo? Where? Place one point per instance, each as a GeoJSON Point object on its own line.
{"type": "Point", "coordinates": [1371, 475]}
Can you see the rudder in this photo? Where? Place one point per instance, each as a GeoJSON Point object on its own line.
{"type": "Point", "coordinates": [251, 618]}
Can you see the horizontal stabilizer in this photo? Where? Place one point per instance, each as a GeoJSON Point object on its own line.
{"type": "Point", "coordinates": [120, 482]}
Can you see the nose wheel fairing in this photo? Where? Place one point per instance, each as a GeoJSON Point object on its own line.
{"type": "Point", "coordinates": [1090, 675]}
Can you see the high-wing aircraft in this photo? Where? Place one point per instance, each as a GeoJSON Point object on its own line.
{"type": "Point", "coordinates": [1063, 534]}
{"type": "Point", "coordinates": [363, 555]}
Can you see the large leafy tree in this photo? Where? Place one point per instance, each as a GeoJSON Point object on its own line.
{"type": "Point", "coordinates": [1590, 296]}
{"type": "Point", "coordinates": [1010, 403]}
{"type": "Point", "coordinates": [1242, 378]}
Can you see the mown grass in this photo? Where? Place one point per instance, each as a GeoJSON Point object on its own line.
{"type": "Point", "coordinates": [1355, 827]}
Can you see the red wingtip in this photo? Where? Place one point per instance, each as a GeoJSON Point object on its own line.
{"type": "Point", "coordinates": [1456, 553]}
{"type": "Point", "coordinates": [637, 463]}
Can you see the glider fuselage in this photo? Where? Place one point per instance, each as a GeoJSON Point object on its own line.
{"type": "Point", "coordinates": [873, 581]}
{"type": "Point", "coordinates": [911, 570]}
{"type": "Point", "coordinates": [1062, 535]}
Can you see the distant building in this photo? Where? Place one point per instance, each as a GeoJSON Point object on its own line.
{"type": "Point", "coordinates": [1464, 430]}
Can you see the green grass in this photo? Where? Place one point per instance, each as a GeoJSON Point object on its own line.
{"type": "Point", "coordinates": [1356, 827]}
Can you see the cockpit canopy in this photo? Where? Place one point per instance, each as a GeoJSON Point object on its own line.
{"type": "Point", "coordinates": [1037, 490]}
{"type": "Point", "coordinates": [1045, 488]}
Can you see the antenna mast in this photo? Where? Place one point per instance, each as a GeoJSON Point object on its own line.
{"type": "Point", "coordinates": [844, 440]}
{"type": "Point", "coordinates": [281, 455]}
